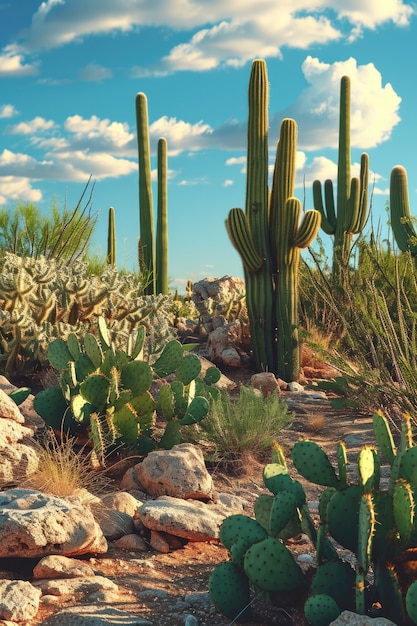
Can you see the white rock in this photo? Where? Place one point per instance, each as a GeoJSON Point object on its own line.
{"type": "Point", "coordinates": [132, 543]}
{"type": "Point", "coordinates": [19, 600]}
{"type": "Point", "coordinates": [33, 524]}
{"type": "Point", "coordinates": [71, 586]}
{"type": "Point", "coordinates": [179, 472]}
{"type": "Point", "coordinates": [192, 520]}
{"type": "Point", "coordinates": [55, 566]}
{"type": "Point", "coordinates": [353, 619]}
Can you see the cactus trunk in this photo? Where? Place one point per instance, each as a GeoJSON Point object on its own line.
{"type": "Point", "coordinates": [146, 221]}
{"type": "Point", "coordinates": [111, 239]}
{"type": "Point", "coordinates": [162, 220]}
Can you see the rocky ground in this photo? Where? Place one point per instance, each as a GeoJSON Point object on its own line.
{"type": "Point", "coordinates": [172, 589]}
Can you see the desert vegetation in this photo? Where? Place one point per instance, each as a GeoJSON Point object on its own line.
{"type": "Point", "coordinates": [100, 349]}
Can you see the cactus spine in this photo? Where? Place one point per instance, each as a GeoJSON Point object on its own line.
{"type": "Point", "coordinates": [401, 220]}
{"type": "Point", "coordinates": [111, 239]}
{"type": "Point", "coordinates": [350, 215]}
{"type": "Point", "coordinates": [269, 236]}
{"type": "Point", "coordinates": [153, 257]}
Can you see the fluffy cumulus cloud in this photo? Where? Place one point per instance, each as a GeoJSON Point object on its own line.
{"type": "Point", "coordinates": [225, 32]}
{"type": "Point", "coordinates": [374, 106]}
{"type": "Point", "coordinates": [7, 110]}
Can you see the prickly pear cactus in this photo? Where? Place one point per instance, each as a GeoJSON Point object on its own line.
{"type": "Point", "coordinates": [108, 391]}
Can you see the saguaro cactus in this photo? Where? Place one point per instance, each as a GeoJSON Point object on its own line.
{"type": "Point", "coordinates": [349, 215]}
{"type": "Point", "coordinates": [401, 219]}
{"type": "Point", "coordinates": [269, 235]}
{"type": "Point", "coordinates": [162, 220]}
{"type": "Point", "coordinates": [154, 256]}
{"type": "Point", "coordinates": [111, 239]}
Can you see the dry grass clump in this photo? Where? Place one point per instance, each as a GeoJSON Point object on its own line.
{"type": "Point", "coordinates": [242, 431]}
{"type": "Point", "coordinates": [64, 470]}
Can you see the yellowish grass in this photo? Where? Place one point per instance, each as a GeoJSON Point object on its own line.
{"type": "Point", "coordinates": [63, 470]}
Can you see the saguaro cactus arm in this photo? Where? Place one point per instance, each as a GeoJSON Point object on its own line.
{"type": "Point", "coordinates": [401, 219]}
{"type": "Point", "coordinates": [241, 237]}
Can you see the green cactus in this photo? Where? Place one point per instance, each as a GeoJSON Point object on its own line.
{"type": "Point", "coordinates": [349, 215]}
{"type": "Point", "coordinates": [154, 256]}
{"type": "Point", "coordinates": [161, 242]}
{"type": "Point", "coordinates": [411, 602]}
{"type": "Point", "coordinates": [269, 236]}
{"type": "Point", "coordinates": [107, 392]}
{"type": "Point", "coordinates": [321, 610]}
{"type": "Point", "coordinates": [400, 214]}
{"type": "Point", "coordinates": [111, 238]}
{"type": "Point", "coordinates": [312, 462]}
{"type": "Point", "coordinates": [229, 590]}
{"type": "Point", "coordinates": [279, 570]}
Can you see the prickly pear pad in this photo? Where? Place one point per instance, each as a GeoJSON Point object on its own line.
{"type": "Point", "coordinates": [237, 526]}
{"type": "Point", "coordinates": [313, 463]}
{"type": "Point", "coordinates": [229, 590]}
{"type": "Point", "coordinates": [270, 566]}
{"type": "Point", "coordinates": [321, 610]}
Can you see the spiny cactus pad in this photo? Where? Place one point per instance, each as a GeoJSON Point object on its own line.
{"type": "Point", "coordinates": [137, 376]}
{"type": "Point", "coordinates": [404, 508]}
{"type": "Point", "coordinates": [384, 437]}
{"type": "Point", "coordinates": [236, 526]}
{"type": "Point", "coordinates": [283, 509]}
{"type": "Point", "coordinates": [408, 466]}
{"type": "Point", "coordinates": [343, 516]}
{"type": "Point", "coordinates": [93, 350]}
{"type": "Point", "coordinates": [229, 591]}
{"type": "Point", "coordinates": [59, 354]}
{"type": "Point", "coordinates": [313, 463]}
{"type": "Point", "coordinates": [126, 424]}
{"type": "Point", "coordinates": [336, 579]}
{"type": "Point", "coordinates": [166, 401]}
{"type": "Point", "coordinates": [276, 477]}
{"type": "Point", "coordinates": [169, 360]}
{"type": "Point", "coordinates": [321, 610]}
{"type": "Point", "coordinates": [411, 601]}
{"type": "Point", "coordinates": [196, 411]}
{"type": "Point", "coordinates": [188, 369]}
{"type": "Point", "coordinates": [270, 566]}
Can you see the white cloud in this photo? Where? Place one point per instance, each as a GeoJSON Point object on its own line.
{"type": "Point", "coordinates": [100, 135]}
{"type": "Point", "coordinates": [18, 189]}
{"type": "Point", "coordinates": [228, 182]}
{"type": "Point", "coordinates": [236, 161]}
{"type": "Point", "coordinates": [374, 107]}
{"type": "Point", "coordinates": [181, 135]}
{"type": "Point", "coordinates": [226, 32]}
{"type": "Point", "coordinates": [12, 63]}
{"type": "Point", "coordinates": [36, 125]}
{"type": "Point", "coordinates": [7, 110]}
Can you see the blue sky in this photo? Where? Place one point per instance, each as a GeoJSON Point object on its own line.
{"type": "Point", "coordinates": [70, 71]}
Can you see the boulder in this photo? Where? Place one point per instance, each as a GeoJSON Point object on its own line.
{"type": "Point", "coordinates": [33, 524]}
{"type": "Point", "coordinates": [191, 520]}
{"type": "Point", "coordinates": [179, 472]}
{"type": "Point", "coordinates": [19, 600]}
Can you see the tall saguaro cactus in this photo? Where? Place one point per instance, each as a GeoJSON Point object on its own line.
{"type": "Point", "coordinates": [111, 238]}
{"type": "Point", "coordinates": [153, 255]}
{"type": "Point", "coordinates": [162, 219]}
{"type": "Point", "coordinates": [401, 219]}
{"type": "Point", "coordinates": [348, 216]}
{"type": "Point", "coordinates": [269, 235]}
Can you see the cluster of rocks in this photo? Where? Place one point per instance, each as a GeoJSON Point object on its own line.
{"type": "Point", "coordinates": [162, 502]}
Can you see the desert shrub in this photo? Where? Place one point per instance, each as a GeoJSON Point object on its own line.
{"type": "Point", "coordinates": [244, 428]}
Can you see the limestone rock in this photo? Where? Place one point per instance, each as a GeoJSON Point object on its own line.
{"type": "Point", "coordinates": [179, 472]}
{"type": "Point", "coordinates": [132, 543]}
{"type": "Point", "coordinates": [265, 382]}
{"type": "Point", "coordinates": [353, 619]}
{"type": "Point", "coordinates": [192, 520]}
{"type": "Point", "coordinates": [33, 524]}
{"type": "Point", "coordinates": [19, 600]}
{"type": "Point", "coordinates": [55, 566]}
{"type": "Point", "coordinates": [95, 615]}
